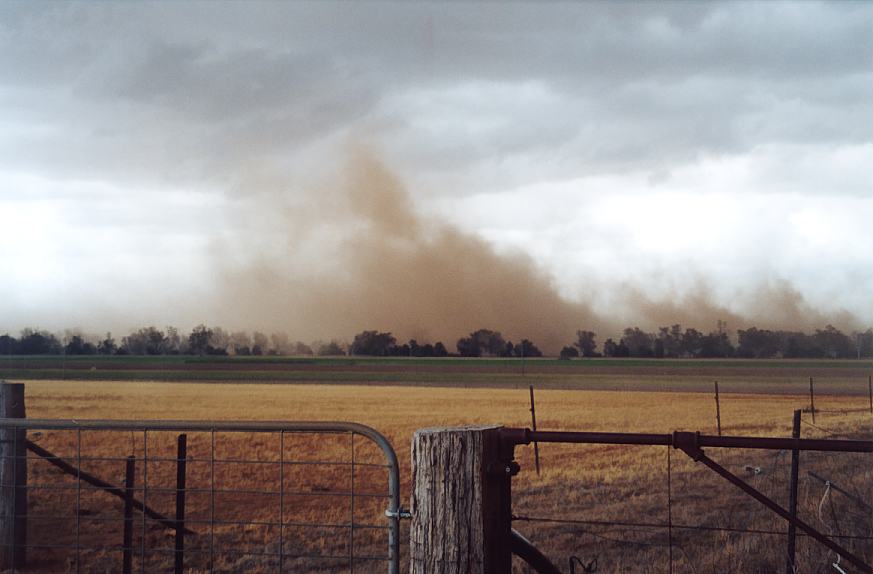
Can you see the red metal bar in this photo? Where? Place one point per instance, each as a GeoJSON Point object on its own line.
{"type": "Point", "coordinates": [525, 436]}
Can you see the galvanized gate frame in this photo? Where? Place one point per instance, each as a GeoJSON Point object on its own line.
{"type": "Point", "coordinates": [690, 443]}
{"type": "Point", "coordinates": [393, 513]}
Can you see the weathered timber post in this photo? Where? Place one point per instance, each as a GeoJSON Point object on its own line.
{"type": "Point", "coordinates": [533, 426]}
{"type": "Point", "coordinates": [461, 505]}
{"type": "Point", "coordinates": [13, 477]}
{"type": "Point", "coordinates": [812, 400]}
{"type": "Point", "coordinates": [717, 410]}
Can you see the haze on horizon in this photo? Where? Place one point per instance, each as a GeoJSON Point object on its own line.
{"type": "Point", "coordinates": [431, 169]}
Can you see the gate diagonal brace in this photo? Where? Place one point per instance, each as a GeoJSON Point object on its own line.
{"type": "Point", "coordinates": [687, 442]}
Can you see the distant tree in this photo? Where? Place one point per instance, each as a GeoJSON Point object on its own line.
{"type": "Point", "coordinates": [568, 353]}
{"type": "Point", "coordinates": [833, 343]}
{"type": "Point", "coordinates": [716, 345]}
{"type": "Point", "coordinates": [527, 349]}
{"type": "Point", "coordinates": [8, 345]}
{"type": "Point", "coordinates": [260, 343]}
{"type": "Point", "coordinates": [199, 340]}
{"type": "Point", "coordinates": [38, 343]}
{"type": "Point", "coordinates": [240, 343]}
{"type": "Point", "coordinates": [671, 340]}
{"type": "Point", "coordinates": [863, 343]}
{"type": "Point", "coordinates": [609, 347]}
{"type": "Point", "coordinates": [373, 343]}
{"type": "Point", "coordinates": [172, 341]}
{"type": "Point", "coordinates": [280, 344]}
{"type": "Point", "coordinates": [144, 341]}
{"type": "Point", "coordinates": [439, 350]}
{"type": "Point", "coordinates": [331, 349]}
{"type": "Point", "coordinates": [301, 348]}
{"type": "Point", "coordinates": [482, 342]}
{"type": "Point", "coordinates": [639, 343]}
{"type": "Point", "coordinates": [691, 343]}
{"type": "Point", "coordinates": [107, 346]}
{"type": "Point", "coordinates": [586, 342]}
{"type": "Point", "coordinates": [622, 350]}
{"type": "Point", "coordinates": [754, 343]}
{"type": "Point", "coordinates": [79, 346]}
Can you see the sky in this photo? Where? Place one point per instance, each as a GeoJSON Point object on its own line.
{"type": "Point", "coordinates": [429, 169]}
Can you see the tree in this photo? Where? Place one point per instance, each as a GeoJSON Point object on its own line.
{"type": "Point", "coordinates": [260, 343]}
{"type": "Point", "coordinates": [639, 343]}
{"type": "Point", "coordinates": [833, 343]}
{"type": "Point", "coordinates": [107, 346]}
{"type": "Point", "coordinates": [373, 343]}
{"type": "Point", "coordinates": [586, 342]}
{"type": "Point", "coordinates": [144, 341]}
{"type": "Point", "coordinates": [568, 353]}
{"type": "Point", "coordinates": [199, 339]}
{"type": "Point", "coordinates": [331, 349]}
{"type": "Point", "coordinates": [482, 342]}
{"type": "Point", "coordinates": [79, 346]}
{"type": "Point", "coordinates": [527, 349]}
{"type": "Point", "coordinates": [280, 344]}
{"type": "Point", "coordinates": [301, 348]}
{"type": "Point", "coordinates": [172, 341]}
{"type": "Point", "coordinates": [671, 340]}
{"type": "Point", "coordinates": [240, 343]}
{"type": "Point", "coordinates": [439, 350]}
{"type": "Point", "coordinates": [8, 345]}
{"type": "Point", "coordinates": [38, 343]}
{"type": "Point", "coordinates": [691, 343]}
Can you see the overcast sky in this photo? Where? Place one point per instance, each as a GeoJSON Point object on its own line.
{"type": "Point", "coordinates": [661, 149]}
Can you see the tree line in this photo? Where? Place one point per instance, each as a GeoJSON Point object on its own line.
{"type": "Point", "coordinates": [751, 343]}
{"type": "Point", "coordinates": [667, 342]}
{"type": "Point", "coordinates": [202, 340]}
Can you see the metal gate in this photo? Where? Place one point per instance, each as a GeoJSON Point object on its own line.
{"type": "Point", "coordinates": [692, 444]}
{"type": "Point", "coordinates": [106, 495]}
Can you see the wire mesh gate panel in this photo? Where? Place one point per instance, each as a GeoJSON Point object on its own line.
{"type": "Point", "coordinates": [636, 502]}
{"type": "Point", "coordinates": [153, 496]}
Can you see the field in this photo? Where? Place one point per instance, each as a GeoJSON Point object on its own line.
{"type": "Point", "coordinates": [572, 508]}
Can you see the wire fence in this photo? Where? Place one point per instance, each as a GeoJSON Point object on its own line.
{"type": "Point", "coordinates": [641, 509]}
{"type": "Point", "coordinates": [151, 496]}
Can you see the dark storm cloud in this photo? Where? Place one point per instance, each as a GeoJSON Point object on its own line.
{"type": "Point", "coordinates": [623, 84]}
{"type": "Point", "coordinates": [232, 121]}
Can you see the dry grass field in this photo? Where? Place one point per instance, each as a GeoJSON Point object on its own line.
{"type": "Point", "coordinates": [583, 484]}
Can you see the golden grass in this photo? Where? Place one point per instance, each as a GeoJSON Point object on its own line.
{"type": "Point", "coordinates": [577, 482]}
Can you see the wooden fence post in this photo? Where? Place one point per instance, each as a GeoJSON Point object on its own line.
{"type": "Point", "coordinates": [13, 475]}
{"type": "Point", "coordinates": [461, 505]}
{"type": "Point", "coordinates": [811, 400]}
{"type": "Point", "coordinates": [533, 425]}
{"type": "Point", "coordinates": [717, 410]}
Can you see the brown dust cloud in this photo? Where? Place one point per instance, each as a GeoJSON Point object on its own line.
{"type": "Point", "coordinates": [359, 257]}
